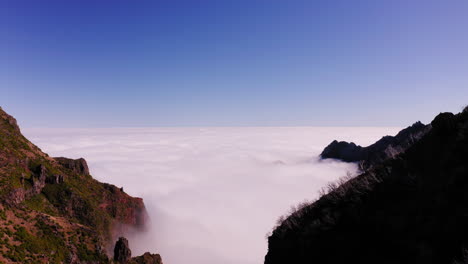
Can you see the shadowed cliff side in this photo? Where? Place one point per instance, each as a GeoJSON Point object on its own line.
{"type": "Point", "coordinates": [410, 209]}
{"type": "Point", "coordinates": [52, 210]}
{"type": "Point", "coordinates": [385, 148]}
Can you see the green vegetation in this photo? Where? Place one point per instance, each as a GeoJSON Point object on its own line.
{"type": "Point", "coordinates": [3, 215]}
{"type": "Point", "coordinates": [49, 211]}
{"type": "Point", "coordinates": [46, 240]}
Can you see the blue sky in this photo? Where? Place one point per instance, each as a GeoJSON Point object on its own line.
{"type": "Point", "coordinates": [232, 63]}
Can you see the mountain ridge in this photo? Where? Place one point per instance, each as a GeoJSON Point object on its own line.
{"type": "Point", "coordinates": [53, 211]}
{"type": "Point", "coordinates": [385, 148]}
{"type": "Point", "coordinates": [411, 208]}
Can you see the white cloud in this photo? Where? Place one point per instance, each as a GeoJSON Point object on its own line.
{"type": "Point", "coordinates": [212, 193]}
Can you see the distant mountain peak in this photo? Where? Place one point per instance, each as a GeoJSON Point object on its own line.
{"type": "Point", "coordinates": [385, 148]}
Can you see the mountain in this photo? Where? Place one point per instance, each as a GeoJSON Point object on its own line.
{"type": "Point", "coordinates": [53, 211]}
{"type": "Point", "coordinates": [412, 208]}
{"type": "Point", "coordinates": [387, 147]}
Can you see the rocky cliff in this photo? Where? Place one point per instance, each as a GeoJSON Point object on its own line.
{"type": "Point", "coordinates": [409, 209]}
{"type": "Point", "coordinates": [386, 148]}
{"type": "Point", "coordinates": [123, 254]}
{"type": "Point", "coordinates": [52, 210]}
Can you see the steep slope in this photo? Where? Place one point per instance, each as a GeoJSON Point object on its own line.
{"type": "Point", "coordinates": [385, 148]}
{"type": "Point", "coordinates": [52, 210]}
{"type": "Point", "coordinates": [410, 209]}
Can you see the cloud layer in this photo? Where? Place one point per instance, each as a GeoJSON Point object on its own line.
{"type": "Point", "coordinates": [212, 193]}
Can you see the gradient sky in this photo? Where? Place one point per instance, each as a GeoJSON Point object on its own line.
{"type": "Point", "coordinates": [232, 63]}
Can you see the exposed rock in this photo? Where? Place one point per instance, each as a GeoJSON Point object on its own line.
{"type": "Point", "coordinates": [409, 210]}
{"type": "Point", "coordinates": [386, 148]}
{"type": "Point", "coordinates": [10, 120]}
{"type": "Point", "coordinates": [122, 253]}
{"type": "Point", "coordinates": [55, 179]}
{"type": "Point", "coordinates": [39, 180]}
{"type": "Point", "coordinates": [344, 151]}
{"type": "Point", "coordinates": [147, 258]}
{"type": "Point", "coordinates": [76, 165]}
{"type": "Point", "coordinates": [130, 212]}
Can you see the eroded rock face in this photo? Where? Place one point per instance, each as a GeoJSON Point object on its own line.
{"type": "Point", "coordinates": [76, 165]}
{"type": "Point", "coordinates": [37, 182]}
{"type": "Point", "coordinates": [386, 148]}
{"type": "Point", "coordinates": [130, 212]}
{"type": "Point", "coordinates": [122, 253]}
{"type": "Point", "coordinates": [55, 179]}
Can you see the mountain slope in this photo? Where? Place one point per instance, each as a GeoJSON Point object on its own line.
{"type": "Point", "coordinates": [52, 210]}
{"type": "Point", "coordinates": [409, 209]}
{"type": "Point", "coordinates": [385, 148]}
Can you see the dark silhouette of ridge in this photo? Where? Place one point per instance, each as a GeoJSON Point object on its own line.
{"type": "Point", "coordinates": [385, 148]}
{"type": "Point", "coordinates": [411, 209]}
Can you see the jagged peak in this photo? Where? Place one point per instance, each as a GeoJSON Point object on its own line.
{"type": "Point", "coordinates": [384, 148]}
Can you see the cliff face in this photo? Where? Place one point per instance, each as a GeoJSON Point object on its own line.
{"type": "Point", "coordinates": [410, 209]}
{"type": "Point", "coordinates": [52, 210]}
{"type": "Point", "coordinates": [386, 148]}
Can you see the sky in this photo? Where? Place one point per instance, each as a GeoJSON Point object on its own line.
{"type": "Point", "coordinates": [212, 194]}
{"type": "Point", "coordinates": [232, 63]}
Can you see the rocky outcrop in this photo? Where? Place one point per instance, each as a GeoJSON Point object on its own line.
{"type": "Point", "coordinates": [78, 166]}
{"type": "Point", "coordinates": [10, 120]}
{"type": "Point", "coordinates": [123, 254]}
{"type": "Point", "coordinates": [37, 182]}
{"type": "Point", "coordinates": [129, 212]}
{"type": "Point", "coordinates": [386, 148]}
{"type": "Point", "coordinates": [148, 258]}
{"type": "Point", "coordinates": [55, 179]}
{"type": "Point", "coordinates": [344, 151]}
{"type": "Point", "coordinates": [410, 209]}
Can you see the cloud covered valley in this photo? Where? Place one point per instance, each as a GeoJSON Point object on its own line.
{"type": "Point", "coordinates": [212, 193]}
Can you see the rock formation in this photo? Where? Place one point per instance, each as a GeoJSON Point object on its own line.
{"type": "Point", "coordinates": [386, 148]}
{"type": "Point", "coordinates": [52, 210]}
{"type": "Point", "coordinates": [148, 258]}
{"type": "Point", "coordinates": [122, 254]}
{"type": "Point", "coordinates": [76, 165]}
{"type": "Point", "coordinates": [408, 209]}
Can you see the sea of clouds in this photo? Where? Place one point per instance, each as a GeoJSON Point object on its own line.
{"type": "Point", "coordinates": [212, 193]}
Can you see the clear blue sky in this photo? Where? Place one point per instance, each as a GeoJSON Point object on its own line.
{"type": "Point", "coordinates": [232, 63]}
